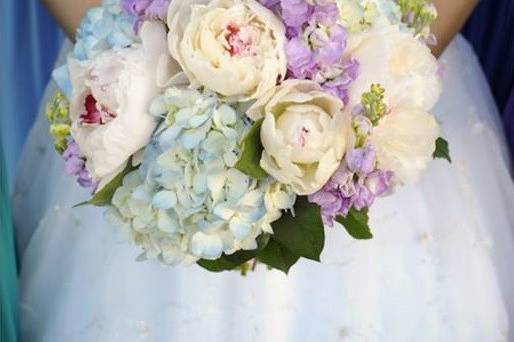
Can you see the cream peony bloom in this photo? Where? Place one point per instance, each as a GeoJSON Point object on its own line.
{"type": "Point", "coordinates": [110, 100]}
{"type": "Point", "coordinates": [233, 47]}
{"type": "Point", "coordinates": [405, 141]}
{"type": "Point", "coordinates": [402, 64]}
{"type": "Point", "coordinates": [304, 134]}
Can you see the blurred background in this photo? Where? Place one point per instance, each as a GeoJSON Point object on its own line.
{"type": "Point", "coordinates": [31, 40]}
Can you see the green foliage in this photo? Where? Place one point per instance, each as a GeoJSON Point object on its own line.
{"type": "Point", "coordinates": [302, 234]}
{"type": "Point", "coordinates": [251, 152]}
{"type": "Point", "coordinates": [356, 224]}
{"type": "Point", "coordinates": [297, 236]}
{"type": "Point", "coordinates": [278, 257]}
{"type": "Point", "coordinates": [57, 114]}
{"type": "Point", "coordinates": [417, 14]}
{"type": "Point", "coordinates": [104, 196]}
{"type": "Point", "coordinates": [373, 103]}
{"type": "Point", "coordinates": [442, 150]}
{"type": "Point", "coordinates": [233, 261]}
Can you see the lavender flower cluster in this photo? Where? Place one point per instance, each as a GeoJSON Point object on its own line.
{"type": "Point", "coordinates": [145, 9]}
{"type": "Point", "coordinates": [356, 184]}
{"type": "Point", "coordinates": [316, 44]}
{"type": "Point", "coordinates": [75, 165]}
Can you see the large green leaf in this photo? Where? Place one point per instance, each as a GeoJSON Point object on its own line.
{"type": "Point", "coordinates": [232, 261]}
{"type": "Point", "coordinates": [356, 223]}
{"type": "Point", "coordinates": [278, 257]}
{"type": "Point", "coordinates": [302, 234]}
{"type": "Point", "coordinates": [442, 150]}
{"type": "Point", "coordinates": [251, 152]}
{"type": "Point", "coordinates": [104, 196]}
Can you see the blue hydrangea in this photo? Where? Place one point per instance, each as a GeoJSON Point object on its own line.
{"type": "Point", "coordinates": [102, 28]}
{"type": "Point", "coordinates": [187, 201]}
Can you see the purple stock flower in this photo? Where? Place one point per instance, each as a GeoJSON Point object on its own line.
{"type": "Point", "coordinates": [145, 9]}
{"type": "Point", "coordinates": [316, 44]}
{"type": "Point", "coordinates": [75, 165]}
{"type": "Point", "coordinates": [361, 160]}
{"type": "Point", "coordinates": [379, 182]}
{"type": "Point", "coordinates": [270, 3]}
{"type": "Point", "coordinates": [300, 59]}
{"type": "Point", "coordinates": [333, 48]}
{"type": "Point", "coordinates": [295, 13]}
{"type": "Point", "coordinates": [355, 184]}
{"type": "Point", "coordinates": [325, 14]}
{"type": "Point", "coordinates": [335, 198]}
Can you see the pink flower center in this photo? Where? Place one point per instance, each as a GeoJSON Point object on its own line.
{"type": "Point", "coordinates": [240, 39]}
{"type": "Point", "coordinates": [95, 115]}
{"type": "Point", "coordinates": [302, 137]}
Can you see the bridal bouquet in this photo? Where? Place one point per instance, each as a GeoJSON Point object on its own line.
{"type": "Point", "coordinates": [227, 131]}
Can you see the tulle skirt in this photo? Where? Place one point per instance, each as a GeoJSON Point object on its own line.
{"type": "Point", "coordinates": [438, 269]}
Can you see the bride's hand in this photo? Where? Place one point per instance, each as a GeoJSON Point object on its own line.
{"type": "Point", "coordinates": [68, 13]}
{"type": "Point", "coordinates": [452, 16]}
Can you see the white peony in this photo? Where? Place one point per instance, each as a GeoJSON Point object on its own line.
{"type": "Point", "coordinates": [110, 100]}
{"type": "Point", "coordinates": [233, 47]}
{"type": "Point", "coordinates": [405, 141]}
{"type": "Point", "coordinates": [304, 134]}
{"type": "Point", "coordinates": [402, 64]}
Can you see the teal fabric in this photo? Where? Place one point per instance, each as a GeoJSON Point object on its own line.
{"type": "Point", "coordinates": [30, 41]}
{"type": "Point", "coordinates": [8, 277]}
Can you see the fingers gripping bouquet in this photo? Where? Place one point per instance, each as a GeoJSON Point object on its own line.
{"type": "Point", "coordinates": [225, 131]}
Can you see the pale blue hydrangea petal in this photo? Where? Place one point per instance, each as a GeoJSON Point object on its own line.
{"type": "Point", "coordinates": [140, 193]}
{"type": "Point", "coordinates": [207, 246]}
{"type": "Point", "coordinates": [200, 183]}
{"type": "Point", "coordinates": [61, 76]}
{"type": "Point", "coordinates": [240, 228]}
{"type": "Point", "coordinates": [237, 184]}
{"type": "Point", "coordinates": [216, 183]}
{"type": "Point", "coordinates": [165, 200]}
{"type": "Point", "coordinates": [224, 211]}
{"type": "Point", "coordinates": [158, 107]}
{"type": "Point", "coordinates": [230, 158]}
{"type": "Point", "coordinates": [198, 120]}
{"type": "Point", "coordinates": [214, 143]}
{"type": "Point", "coordinates": [224, 116]}
{"type": "Point", "coordinates": [184, 199]}
{"type": "Point", "coordinates": [168, 180]}
{"type": "Point", "coordinates": [167, 223]}
{"type": "Point", "coordinates": [193, 137]}
{"type": "Point", "coordinates": [182, 116]}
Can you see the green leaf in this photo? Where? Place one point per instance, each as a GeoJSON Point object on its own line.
{"type": "Point", "coordinates": [278, 257]}
{"type": "Point", "coordinates": [251, 152]}
{"type": "Point", "coordinates": [104, 196]}
{"type": "Point", "coordinates": [232, 261]}
{"type": "Point", "coordinates": [218, 265]}
{"type": "Point", "coordinates": [442, 150]}
{"type": "Point", "coordinates": [302, 234]}
{"type": "Point", "coordinates": [356, 223]}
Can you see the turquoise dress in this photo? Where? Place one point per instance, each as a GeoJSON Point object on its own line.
{"type": "Point", "coordinates": [30, 43]}
{"type": "Point", "coordinates": [8, 279]}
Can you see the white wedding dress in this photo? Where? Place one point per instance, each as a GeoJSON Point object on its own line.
{"type": "Point", "coordinates": [440, 267]}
